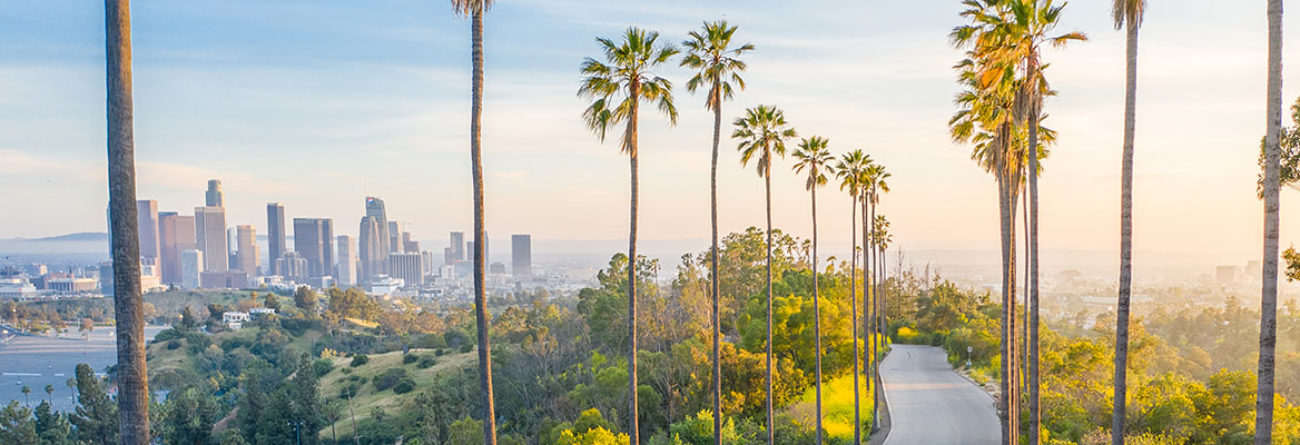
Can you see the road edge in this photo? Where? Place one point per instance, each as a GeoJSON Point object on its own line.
{"type": "Point", "coordinates": [879, 436]}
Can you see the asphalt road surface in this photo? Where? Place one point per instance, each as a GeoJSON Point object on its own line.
{"type": "Point", "coordinates": [36, 361]}
{"type": "Point", "coordinates": [931, 404]}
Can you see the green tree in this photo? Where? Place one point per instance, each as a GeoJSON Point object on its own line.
{"type": "Point", "coordinates": [717, 66]}
{"type": "Point", "coordinates": [762, 132]}
{"type": "Point", "coordinates": [128, 303]}
{"type": "Point", "coordinates": [188, 416]}
{"type": "Point", "coordinates": [617, 87]}
{"type": "Point", "coordinates": [811, 158]}
{"type": "Point", "coordinates": [27, 391]}
{"type": "Point", "coordinates": [851, 170]}
{"type": "Point", "coordinates": [49, 393]}
{"type": "Point", "coordinates": [52, 427]}
{"type": "Point", "coordinates": [17, 426]}
{"type": "Point", "coordinates": [1268, 293]}
{"type": "Point", "coordinates": [96, 416]}
{"type": "Point", "coordinates": [305, 298]}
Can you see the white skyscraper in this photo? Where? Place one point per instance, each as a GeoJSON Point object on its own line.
{"type": "Point", "coordinates": [347, 266]}
{"type": "Point", "coordinates": [191, 268]}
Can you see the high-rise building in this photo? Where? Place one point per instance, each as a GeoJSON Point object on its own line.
{"type": "Point", "coordinates": [428, 262]}
{"type": "Point", "coordinates": [375, 209]}
{"type": "Point", "coordinates": [249, 257]}
{"type": "Point", "coordinates": [313, 239]}
{"type": "Point", "coordinates": [191, 268]}
{"type": "Point", "coordinates": [147, 228]}
{"type": "Point", "coordinates": [232, 241]}
{"type": "Point", "coordinates": [457, 247]}
{"type": "Point", "coordinates": [176, 235]}
{"type": "Point", "coordinates": [275, 237]}
{"type": "Point", "coordinates": [215, 198]}
{"type": "Point", "coordinates": [521, 255]}
{"type": "Point", "coordinates": [407, 266]}
{"type": "Point", "coordinates": [292, 267]}
{"type": "Point", "coordinates": [395, 237]}
{"type": "Point", "coordinates": [409, 245]}
{"type": "Point", "coordinates": [371, 250]}
{"type": "Point", "coordinates": [347, 265]}
{"type": "Point", "coordinates": [210, 237]}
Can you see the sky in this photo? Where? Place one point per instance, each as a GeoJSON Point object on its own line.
{"type": "Point", "coordinates": [318, 104]}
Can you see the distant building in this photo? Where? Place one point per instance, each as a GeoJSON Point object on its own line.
{"type": "Point", "coordinates": [147, 228]}
{"type": "Point", "coordinates": [313, 239]}
{"type": "Point", "coordinates": [210, 237]}
{"type": "Point", "coordinates": [232, 241]}
{"type": "Point", "coordinates": [261, 311]}
{"type": "Point", "coordinates": [409, 267]}
{"type": "Point", "coordinates": [521, 255]}
{"type": "Point", "coordinates": [16, 288]}
{"type": "Point", "coordinates": [176, 235]}
{"type": "Point", "coordinates": [71, 285]}
{"type": "Point", "coordinates": [395, 238]}
{"type": "Point", "coordinates": [231, 279]}
{"type": "Point", "coordinates": [385, 285]}
{"type": "Point", "coordinates": [191, 268]}
{"type": "Point", "coordinates": [105, 279]}
{"type": "Point", "coordinates": [409, 245]}
{"type": "Point", "coordinates": [1253, 271]}
{"type": "Point", "coordinates": [249, 257]}
{"type": "Point", "coordinates": [215, 198]}
{"type": "Point", "coordinates": [487, 255]}
{"type": "Point", "coordinates": [1226, 274]}
{"type": "Point", "coordinates": [292, 267]}
{"type": "Point", "coordinates": [275, 236]}
{"type": "Point", "coordinates": [372, 249]}
{"type": "Point", "coordinates": [35, 269]}
{"type": "Point", "coordinates": [234, 320]}
{"type": "Point", "coordinates": [375, 209]}
{"type": "Point", "coordinates": [457, 247]}
{"type": "Point", "coordinates": [346, 276]}
{"type": "Point", "coordinates": [428, 262]}
{"type": "Point", "coordinates": [497, 269]}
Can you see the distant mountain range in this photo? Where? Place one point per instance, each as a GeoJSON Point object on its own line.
{"type": "Point", "coordinates": [83, 236]}
{"type": "Point", "coordinates": [72, 243]}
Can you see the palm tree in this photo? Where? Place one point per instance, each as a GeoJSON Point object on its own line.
{"type": "Point", "coordinates": [72, 390]}
{"type": "Point", "coordinates": [617, 87]}
{"type": "Point", "coordinates": [49, 394]}
{"type": "Point", "coordinates": [762, 132]}
{"type": "Point", "coordinates": [811, 157]}
{"type": "Point", "coordinates": [27, 390]}
{"type": "Point", "coordinates": [128, 305]}
{"type": "Point", "coordinates": [1128, 15]}
{"type": "Point", "coordinates": [1272, 173]}
{"type": "Point", "coordinates": [876, 183]}
{"type": "Point", "coordinates": [850, 172]}
{"type": "Point", "coordinates": [475, 9]}
{"type": "Point", "coordinates": [717, 66]}
{"type": "Point", "coordinates": [880, 231]}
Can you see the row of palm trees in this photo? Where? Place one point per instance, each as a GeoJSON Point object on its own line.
{"type": "Point", "coordinates": [626, 77]}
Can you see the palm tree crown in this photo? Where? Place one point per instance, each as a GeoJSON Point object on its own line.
{"type": "Point", "coordinates": [812, 157]}
{"type": "Point", "coordinates": [624, 78]}
{"type": "Point", "coordinates": [1128, 12]}
{"type": "Point", "coordinates": [466, 8]}
{"type": "Point", "coordinates": [716, 64]}
{"type": "Point", "coordinates": [762, 132]}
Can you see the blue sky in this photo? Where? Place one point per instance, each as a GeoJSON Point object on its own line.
{"type": "Point", "coordinates": [319, 103]}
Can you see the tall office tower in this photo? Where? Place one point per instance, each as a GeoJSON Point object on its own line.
{"type": "Point", "coordinates": [274, 234]}
{"type": "Point", "coordinates": [372, 249]}
{"type": "Point", "coordinates": [191, 268]}
{"type": "Point", "coordinates": [232, 241]}
{"type": "Point", "coordinates": [521, 255]}
{"type": "Point", "coordinates": [248, 256]}
{"type": "Point", "coordinates": [428, 262]}
{"type": "Point", "coordinates": [375, 209]}
{"type": "Point", "coordinates": [147, 228]}
{"type": "Point", "coordinates": [407, 266]}
{"type": "Point", "coordinates": [347, 265]}
{"type": "Point", "coordinates": [457, 247]}
{"type": "Point", "coordinates": [409, 245]}
{"type": "Point", "coordinates": [292, 267]}
{"type": "Point", "coordinates": [210, 237]}
{"type": "Point", "coordinates": [395, 237]}
{"type": "Point", "coordinates": [176, 235]}
{"type": "Point", "coordinates": [313, 239]}
{"type": "Point", "coordinates": [214, 196]}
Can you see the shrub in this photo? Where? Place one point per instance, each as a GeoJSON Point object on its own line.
{"type": "Point", "coordinates": [426, 362]}
{"type": "Point", "coordinates": [323, 366]}
{"type": "Point", "coordinates": [466, 348]}
{"type": "Point", "coordinates": [359, 359]}
{"type": "Point", "coordinates": [440, 352]}
{"type": "Point", "coordinates": [389, 378]}
{"type": "Point", "coordinates": [404, 385]}
{"type": "Point", "coordinates": [173, 344]}
{"type": "Point", "coordinates": [346, 371]}
{"type": "Point", "coordinates": [409, 358]}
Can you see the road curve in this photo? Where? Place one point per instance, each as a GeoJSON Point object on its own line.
{"type": "Point", "coordinates": [931, 404]}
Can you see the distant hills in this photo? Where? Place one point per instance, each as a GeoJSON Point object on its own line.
{"type": "Point", "coordinates": [82, 236]}
{"type": "Point", "coordinates": [73, 243]}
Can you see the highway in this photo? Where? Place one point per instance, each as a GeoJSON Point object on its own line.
{"type": "Point", "coordinates": [930, 404]}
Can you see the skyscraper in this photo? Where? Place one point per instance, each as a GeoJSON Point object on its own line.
{"type": "Point", "coordinates": [395, 237]}
{"type": "Point", "coordinates": [248, 257]}
{"type": "Point", "coordinates": [521, 255]}
{"type": "Point", "coordinates": [214, 196]}
{"type": "Point", "coordinates": [375, 209]}
{"type": "Point", "coordinates": [210, 237]}
{"type": "Point", "coordinates": [191, 268]}
{"type": "Point", "coordinates": [457, 246]}
{"type": "Point", "coordinates": [232, 243]}
{"type": "Point", "coordinates": [409, 267]}
{"type": "Point", "coordinates": [275, 238]}
{"type": "Point", "coordinates": [313, 239]}
{"type": "Point", "coordinates": [176, 235]}
{"type": "Point", "coordinates": [469, 249]}
{"type": "Point", "coordinates": [347, 265]}
{"type": "Point", "coordinates": [292, 267]}
{"type": "Point", "coordinates": [147, 228]}
{"type": "Point", "coordinates": [409, 245]}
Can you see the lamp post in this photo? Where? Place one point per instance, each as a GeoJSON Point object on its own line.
{"type": "Point", "coordinates": [297, 430]}
{"type": "Point", "coordinates": [969, 350]}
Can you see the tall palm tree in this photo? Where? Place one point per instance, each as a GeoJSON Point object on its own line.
{"type": "Point", "coordinates": [1272, 174]}
{"type": "Point", "coordinates": [877, 182]}
{"type": "Point", "coordinates": [812, 157]}
{"type": "Point", "coordinates": [717, 66]}
{"type": "Point", "coordinates": [128, 304]}
{"type": "Point", "coordinates": [850, 170]}
{"type": "Point", "coordinates": [762, 132]}
{"type": "Point", "coordinates": [881, 230]}
{"type": "Point", "coordinates": [475, 9]}
{"type": "Point", "coordinates": [1127, 15]}
{"type": "Point", "coordinates": [617, 86]}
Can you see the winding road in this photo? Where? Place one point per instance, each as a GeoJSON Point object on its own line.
{"type": "Point", "coordinates": [930, 404]}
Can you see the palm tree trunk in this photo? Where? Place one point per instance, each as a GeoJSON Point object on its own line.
{"type": "Point", "coordinates": [1031, 234]}
{"type": "Point", "coordinates": [767, 184]}
{"type": "Point", "coordinates": [713, 257]}
{"type": "Point", "coordinates": [817, 314]}
{"type": "Point", "coordinates": [1024, 338]}
{"type": "Point", "coordinates": [480, 234]}
{"type": "Point", "coordinates": [1125, 240]}
{"type": "Point", "coordinates": [853, 302]}
{"type": "Point", "coordinates": [634, 430]}
{"type": "Point", "coordinates": [133, 381]}
{"type": "Point", "coordinates": [868, 308]}
{"type": "Point", "coordinates": [875, 313]}
{"type": "Point", "coordinates": [1268, 298]}
{"type": "Point", "coordinates": [1005, 407]}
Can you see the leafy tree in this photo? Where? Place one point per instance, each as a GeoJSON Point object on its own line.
{"type": "Point", "coordinates": [305, 299]}
{"type": "Point", "coordinates": [17, 426]}
{"type": "Point", "coordinates": [95, 418]}
{"type": "Point", "coordinates": [188, 416]}
{"type": "Point", "coordinates": [52, 427]}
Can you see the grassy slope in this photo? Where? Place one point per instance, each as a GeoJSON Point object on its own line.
{"type": "Point", "coordinates": [837, 407]}
{"type": "Point", "coordinates": [368, 399]}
